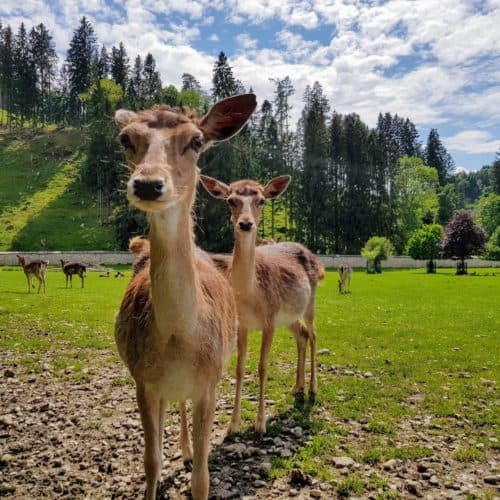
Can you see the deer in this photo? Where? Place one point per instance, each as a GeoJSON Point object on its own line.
{"type": "Point", "coordinates": [345, 273]}
{"type": "Point", "coordinates": [70, 268]}
{"type": "Point", "coordinates": [36, 268]}
{"type": "Point", "coordinates": [177, 323]}
{"type": "Point", "coordinates": [274, 284]}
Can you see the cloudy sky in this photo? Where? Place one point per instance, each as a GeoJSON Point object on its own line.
{"type": "Point", "coordinates": [435, 61]}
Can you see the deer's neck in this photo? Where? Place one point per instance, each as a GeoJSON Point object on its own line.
{"type": "Point", "coordinates": [243, 273]}
{"type": "Point", "coordinates": [174, 279]}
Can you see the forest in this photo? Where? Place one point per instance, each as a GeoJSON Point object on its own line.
{"type": "Point", "coordinates": [349, 181]}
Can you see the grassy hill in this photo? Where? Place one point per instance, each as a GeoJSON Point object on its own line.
{"type": "Point", "coordinates": [43, 203]}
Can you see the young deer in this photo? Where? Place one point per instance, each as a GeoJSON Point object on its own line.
{"type": "Point", "coordinates": [274, 285]}
{"type": "Point", "coordinates": [70, 268]}
{"type": "Point", "coordinates": [35, 268]}
{"type": "Point", "coordinates": [345, 273]}
{"type": "Point", "coordinates": [177, 322]}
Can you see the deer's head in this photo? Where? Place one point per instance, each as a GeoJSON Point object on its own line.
{"type": "Point", "coordinates": [162, 146]}
{"type": "Point", "coordinates": [246, 199]}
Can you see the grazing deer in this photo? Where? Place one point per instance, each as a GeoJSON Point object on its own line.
{"type": "Point", "coordinates": [274, 285]}
{"type": "Point", "coordinates": [104, 275]}
{"type": "Point", "coordinates": [70, 268]}
{"type": "Point", "coordinates": [345, 273]}
{"type": "Point", "coordinates": [36, 268]}
{"type": "Point", "coordinates": [177, 322]}
{"type": "Point", "coordinates": [119, 274]}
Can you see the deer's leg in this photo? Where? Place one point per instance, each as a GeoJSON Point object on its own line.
{"type": "Point", "coordinates": [267, 339]}
{"type": "Point", "coordinates": [309, 318]}
{"type": "Point", "coordinates": [71, 280]}
{"type": "Point", "coordinates": [203, 415]}
{"type": "Point", "coordinates": [82, 276]}
{"type": "Point", "coordinates": [161, 426]}
{"type": "Point", "coordinates": [301, 335]}
{"type": "Point", "coordinates": [234, 426]}
{"type": "Point", "coordinates": [29, 283]}
{"type": "Point", "coordinates": [40, 282]}
{"type": "Point", "coordinates": [149, 408]}
{"type": "Point", "coordinates": [187, 453]}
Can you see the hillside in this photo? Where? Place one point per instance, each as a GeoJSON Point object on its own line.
{"type": "Point", "coordinates": [43, 203]}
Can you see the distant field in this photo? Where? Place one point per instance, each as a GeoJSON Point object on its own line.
{"type": "Point", "coordinates": [403, 345]}
{"type": "Point", "coordinates": [43, 203]}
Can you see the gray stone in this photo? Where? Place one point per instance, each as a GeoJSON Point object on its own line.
{"type": "Point", "coordinates": [341, 462]}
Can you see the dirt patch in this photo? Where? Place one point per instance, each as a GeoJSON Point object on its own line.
{"type": "Point", "coordinates": [63, 438]}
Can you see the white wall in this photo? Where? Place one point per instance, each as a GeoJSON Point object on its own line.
{"type": "Point", "coordinates": [97, 258]}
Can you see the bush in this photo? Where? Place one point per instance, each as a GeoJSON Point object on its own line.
{"type": "Point", "coordinates": [376, 249]}
{"type": "Point", "coordinates": [424, 244]}
{"type": "Point", "coordinates": [493, 246]}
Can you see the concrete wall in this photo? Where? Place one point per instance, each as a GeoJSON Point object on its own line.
{"type": "Point", "coordinates": [110, 258]}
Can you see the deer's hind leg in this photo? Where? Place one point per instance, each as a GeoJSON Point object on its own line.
{"type": "Point", "coordinates": [311, 332]}
{"type": "Point", "coordinates": [267, 339]}
{"type": "Point", "coordinates": [301, 336]}
{"type": "Point", "coordinates": [187, 453]}
{"type": "Point", "coordinates": [234, 426]}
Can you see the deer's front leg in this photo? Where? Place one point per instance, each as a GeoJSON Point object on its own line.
{"type": "Point", "coordinates": [203, 416]}
{"type": "Point", "coordinates": [301, 336]}
{"type": "Point", "coordinates": [267, 339]}
{"type": "Point", "coordinates": [149, 408]}
{"type": "Point", "coordinates": [234, 426]}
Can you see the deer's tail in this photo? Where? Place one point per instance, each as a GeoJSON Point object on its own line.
{"type": "Point", "coordinates": [138, 245]}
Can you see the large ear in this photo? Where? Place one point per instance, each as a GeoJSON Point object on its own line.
{"type": "Point", "coordinates": [276, 186]}
{"type": "Point", "coordinates": [123, 117]}
{"type": "Point", "coordinates": [214, 187]}
{"type": "Point", "coordinates": [227, 117]}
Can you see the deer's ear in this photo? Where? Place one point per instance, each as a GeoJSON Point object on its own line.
{"type": "Point", "coordinates": [214, 187]}
{"type": "Point", "coordinates": [276, 186]}
{"type": "Point", "coordinates": [227, 117]}
{"type": "Point", "coordinates": [123, 117]}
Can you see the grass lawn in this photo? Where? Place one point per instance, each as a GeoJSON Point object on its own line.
{"type": "Point", "coordinates": [402, 346]}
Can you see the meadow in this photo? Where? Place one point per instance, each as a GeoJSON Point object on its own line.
{"type": "Point", "coordinates": [408, 368]}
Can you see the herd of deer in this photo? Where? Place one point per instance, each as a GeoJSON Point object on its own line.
{"type": "Point", "coordinates": [185, 309]}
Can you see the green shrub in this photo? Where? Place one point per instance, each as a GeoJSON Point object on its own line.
{"type": "Point", "coordinates": [376, 249]}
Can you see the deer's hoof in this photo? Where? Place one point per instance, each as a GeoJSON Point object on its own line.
{"type": "Point", "coordinates": [260, 426]}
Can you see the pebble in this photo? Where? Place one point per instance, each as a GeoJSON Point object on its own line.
{"type": "Point", "coordinates": [315, 494]}
{"type": "Point", "coordinates": [323, 352]}
{"type": "Point", "coordinates": [492, 479]}
{"type": "Point", "coordinates": [341, 462]}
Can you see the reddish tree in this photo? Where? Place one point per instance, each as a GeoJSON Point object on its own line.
{"type": "Point", "coordinates": [462, 238]}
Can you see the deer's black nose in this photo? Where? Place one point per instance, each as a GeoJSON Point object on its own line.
{"type": "Point", "coordinates": [148, 190]}
{"type": "Point", "coordinates": [245, 226]}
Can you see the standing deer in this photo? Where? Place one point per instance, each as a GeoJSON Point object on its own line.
{"type": "Point", "coordinates": [36, 268]}
{"type": "Point", "coordinates": [70, 268]}
{"type": "Point", "coordinates": [345, 273]}
{"type": "Point", "coordinates": [177, 322]}
{"type": "Point", "coordinates": [274, 285]}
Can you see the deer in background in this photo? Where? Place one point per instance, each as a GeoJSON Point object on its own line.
{"type": "Point", "coordinates": [177, 322]}
{"type": "Point", "coordinates": [345, 273]}
{"type": "Point", "coordinates": [274, 285]}
{"type": "Point", "coordinates": [36, 268]}
{"type": "Point", "coordinates": [70, 268]}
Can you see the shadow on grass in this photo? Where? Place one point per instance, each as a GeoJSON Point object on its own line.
{"type": "Point", "coordinates": [240, 457]}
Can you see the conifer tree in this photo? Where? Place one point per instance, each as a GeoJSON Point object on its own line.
{"type": "Point", "coordinates": [224, 83]}
{"type": "Point", "coordinates": [119, 65]}
{"type": "Point", "coordinates": [82, 49]}
{"type": "Point", "coordinates": [436, 156]}
{"type": "Point", "coordinates": [135, 85]}
{"type": "Point", "coordinates": [151, 81]}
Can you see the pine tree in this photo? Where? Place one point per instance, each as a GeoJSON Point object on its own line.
{"type": "Point", "coordinates": [135, 85]}
{"type": "Point", "coordinates": [81, 53]}
{"type": "Point", "coordinates": [151, 81]}
{"type": "Point", "coordinates": [44, 58]}
{"type": "Point", "coordinates": [224, 83]}
{"type": "Point", "coordinates": [7, 72]}
{"type": "Point", "coordinates": [189, 82]}
{"type": "Point", "coordinates": [119, 65]}
{"type": "Point", "coordinates": [436, 156]}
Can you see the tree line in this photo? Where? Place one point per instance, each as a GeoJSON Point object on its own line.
{"type": "Point", "coordinates": [350, 181]}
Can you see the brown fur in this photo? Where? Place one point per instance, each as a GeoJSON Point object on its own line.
{"type": "Point", "coordinates": [274, 284]}
{"type": "Point", "coordinates": [177, 322]}
{"type": "Point", "coordinates": [36, 268]}
{"type": "Point", "coordinates": [345, 273]}
{"type": "Point", "coordinates": [70, 268]}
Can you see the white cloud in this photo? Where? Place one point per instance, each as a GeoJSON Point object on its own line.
{"type": "Point", "coordinates": [472, 141]}
{"type": "Point", "coordinates": [245, 41]}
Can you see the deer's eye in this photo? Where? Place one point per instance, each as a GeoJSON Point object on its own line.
{"type": "Point", "coordinates": [260, 203]}
{"type": "Point", "coordinates": [126, 142]}
{"type": "Point", "coordinates": [195, 144]}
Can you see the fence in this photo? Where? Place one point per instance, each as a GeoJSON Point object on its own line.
{"type": "Point", "coordinates": [97, 258]}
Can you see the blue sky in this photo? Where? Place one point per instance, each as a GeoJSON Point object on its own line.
{"type": "Point", "coordinates": [436, 62]}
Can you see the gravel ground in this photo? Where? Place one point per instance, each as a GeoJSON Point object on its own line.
{"type": "Point", "coordinates": [61, 438]}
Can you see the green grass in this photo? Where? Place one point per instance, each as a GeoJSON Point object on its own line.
{"type": "Point", "coordinates": [43, 203]}
{"type": "Point", "coordinates": [429, 341]}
